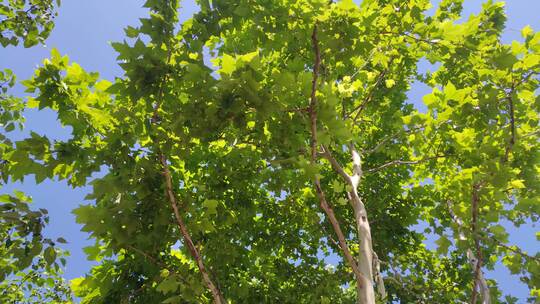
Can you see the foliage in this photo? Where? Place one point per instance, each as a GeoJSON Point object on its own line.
{"type": "Point", "coordinates": [30, 264]}
{"type": "Point", "coordinates": [30, 269]}
{"type": "Point", "coordinates": [248, 147]}
{"type": "Point", "coordinates": [29, 21]}
{"type": "Point", "coordinates": [486, 117]}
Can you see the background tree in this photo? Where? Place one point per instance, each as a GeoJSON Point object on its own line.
{"type": "Point", "coordinates": [30, 270]}
{"type": "Point", "coordinates": [485, 113]}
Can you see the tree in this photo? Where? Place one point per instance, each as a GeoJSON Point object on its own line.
{"type": "Point", "coordinates": [30, 270]}
{"type": "Point", "coordinates": [237, 183]}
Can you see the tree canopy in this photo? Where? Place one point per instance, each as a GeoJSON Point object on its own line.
{"type": "Point", "coordinates": [244, 148]}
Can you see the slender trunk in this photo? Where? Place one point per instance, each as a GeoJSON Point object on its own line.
{"type": "Point", "coordinates": [366, 294]}
{"type": "Point", "coordinates": [216, 293]}
{"type": "Point", "coordinates": [476, 261]}
{"type": "Point", "coordinates": [368, 262]}
{"type": "Point", "coordinates": [188, 241]}
{"type": "Point", "coordinates": [473, 261]}
{"type": "Point", "coordinates": [341, 237]}
{"type": "Point", "coordinates": [381, 290]}
{"type": "Point", "coordinates": [364, 280]}
{"type": "Point", "coordinates": [480, 280]}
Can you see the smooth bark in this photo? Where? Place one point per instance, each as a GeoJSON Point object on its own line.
{"type": "Point", "coordinates": [364, 276]}
{"type": "Point", "coordinates": [480, 280]}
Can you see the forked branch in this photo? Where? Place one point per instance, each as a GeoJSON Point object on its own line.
{"type": "Point", "coordinates": [335, 164]}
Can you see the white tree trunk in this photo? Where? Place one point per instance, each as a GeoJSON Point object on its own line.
{"type": "Point", "coordinates": [473, 260]}
{"type": "Point", "coordinates": [366, 292]}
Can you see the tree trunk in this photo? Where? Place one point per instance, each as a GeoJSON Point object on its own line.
{"type": "Point", "coordinates": [366, 257]}
{"type": "Point", "coordinates": [481, 281]}
{"type": "Point", "coordinates": [472, 259]}
{"type": "Point", "coordinates": [366, 293]}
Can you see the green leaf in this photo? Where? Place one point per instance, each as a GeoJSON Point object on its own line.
{"type": "Point", "coordinates": [527, 31]}
{"type": "Point", "coordinates": [228, 64]}
{"type": "Point", "coordinates": [499, 232]}
{"type": "Point", "coordinates": [50, 255]}
{"type": "Point", "coordinates": [531, 61]}
{"type": "Point", "coordinates": [347, 5]}
{"type": "Point", "coordinates": [246, 58]}
{"type": "Point", "coordinates": [389, 83]}
{"type": "Point", "coordinates": [517, 184]}
{"type": "Point", "coordinates": [342, 201]}
{"type": "Point", "coordinates": [211, 206]}
{"type": "Point", "coordinates": [168, 285]}
{"type": "Point", "coordinates": [131, 32]}
{"type": "Point", "coordinates": [443, 243]}
{"type": "Point", "coordinates": [337, 186]}
{"type": "Point", "coordinates": [175, 299]}
{"type": "Point", "coordinates": [164, 273]}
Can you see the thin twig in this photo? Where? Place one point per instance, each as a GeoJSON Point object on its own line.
{"type": "Point", "coordinates": [512, 140]}
{"type": "Point", "coordinates": [335, 164]}
{"type": "Point", "coordinates": [391, 137]}
{"type": "Point", "coordinates": [515, 250]}
{"type": "Point", "coordinates": [432, 42]}
{"type": "Point", "coordinates": [367, 99]}
{"type": "Point", "coordinates": [155, 261]}
{"type": "Point", "coordinates": [216, 293]}
{"type": "Point", "coordinates": [404, 162]}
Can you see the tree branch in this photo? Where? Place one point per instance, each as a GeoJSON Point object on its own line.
{"type": "Point", "coordinates": [474, 232]}
{"type": "Point", "coordinates": [195, 254]}
{"type": "Point", "coordinates": [368, 97]}
{"type": "Point", "coordinates": [216, 293]}
{"type": "Point", "coordinates": [313, 100]}
{"type": "Point", "coordinates": [514, 249]}
{"type": "Point", "coordinates": [378, 276]}
{"type": "Point", "coordinates": [335, 164]}
{"type": "Point", "coordinates": [512, 140]}
{"type": "Point", "coordinates": [357, 162]}
{"type": "Point", "coordinates": [404, 162]}
{"type": "Point", "coordinates": [390, 137]}
{"type": "Point", "coordinates": [473, 260]}
{"type": "Point", "coordinates": [320, 193]}
{"type": "Point", "coordinates": [409, 35]}
{"type": "Point", "coordinates": [511, 112]}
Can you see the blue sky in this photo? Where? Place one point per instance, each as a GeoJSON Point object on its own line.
{"type": "Point", "coordinates": [84, 30]}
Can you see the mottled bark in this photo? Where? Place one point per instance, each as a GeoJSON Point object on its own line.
{"type": "Point", "coordinates": [479, 279]}
{"type": "Point", "coordinates": [363, 269]}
